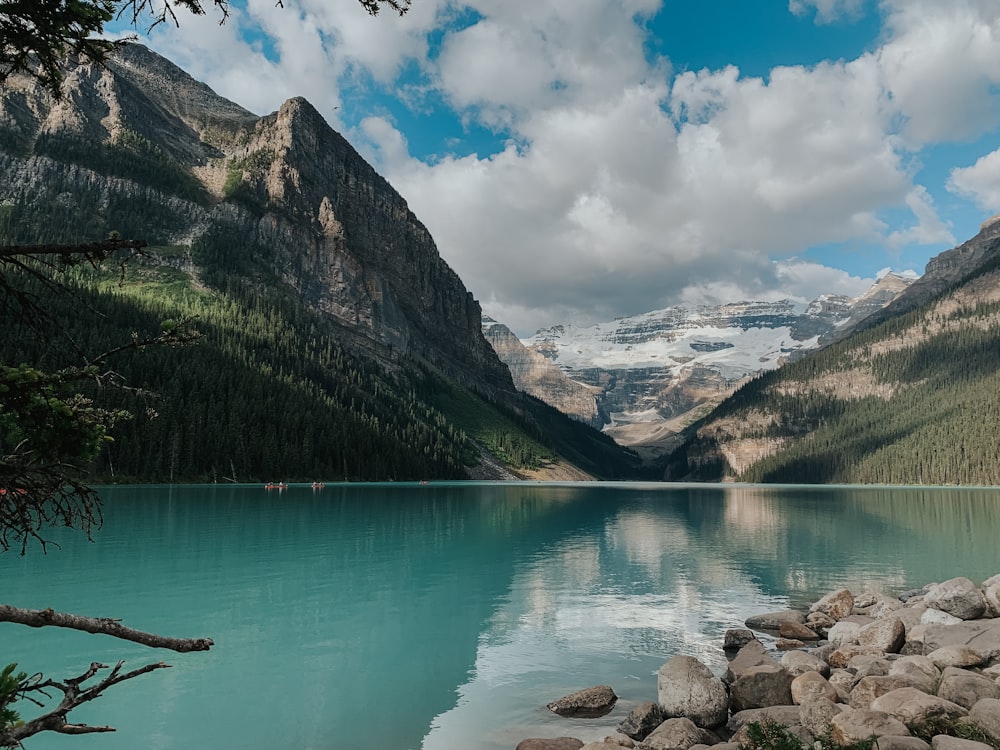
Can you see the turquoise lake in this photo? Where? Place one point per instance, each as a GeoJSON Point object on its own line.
{"type": "Point", "coordinates": [445, 616]}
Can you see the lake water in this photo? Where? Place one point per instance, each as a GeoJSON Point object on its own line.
{"type": "Point", "coordinates": [445, 616]}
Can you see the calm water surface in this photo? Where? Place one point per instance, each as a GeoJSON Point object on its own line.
{"type": "Point", "coordinates": [445, 616]}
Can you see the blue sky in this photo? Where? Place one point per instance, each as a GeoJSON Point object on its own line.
{"type": "Point", "coordinates": [577, 160]}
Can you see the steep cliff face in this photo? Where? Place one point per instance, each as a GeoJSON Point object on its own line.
{"type": "Point", "coordinates": [535, 374]}
{"type": "Point", "coordinates": [284, 196]}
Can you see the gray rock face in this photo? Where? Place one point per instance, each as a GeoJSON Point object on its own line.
{"type": "Point", "coordinates": [857, 725]}
{"type": "Point", "coordinates": [966, 688]}
{"type": "Point", "coordinates": [674, 734]}
{"type": "Point", "coordinates": [958, 597]}
{"type": "Point", "coordinates": [641, 720]}
{"type": "Point", "coordinates": [760, 687]}
{"type": "Point", "coordinates": [911, 706]}
{"type": "Point", "coordinates": [981, 635]}
{"type": "Point", "coordinates": [687, 688]}
{"type": "Point", "coordinates": [587, 703]}
{"type": "Point", "coordinates": [986, 715]}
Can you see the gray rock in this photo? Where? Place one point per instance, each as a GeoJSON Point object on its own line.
{"type": "Point", "coordinates": [844, 633]}
{"type": "Point", "coordinates": [856, 725]}
{"type": "Point", "coordinates": [944, 742]}
{"type": "Point", "coordinates": [816, 714]}
{"type": "Point", "coordinates": [837, 604]}
{"type": "Point", "coordinates": [910, 616]}
{"type": "Point", "coordinates": [773, 620]}
{"type": "Point", "coordinates": [887, 634]}
{"type": "Point", "coordinates": [797, 631]}
{"type": "Point", "coordinates": [866, 665]}
{"type": "Point", "coordinates": [811, 685]}
{"type": "Point", "coordinates": [991, 594]}
{"type": "Point", "coordinates": [759, 687]}
{"type": "Point", "coordinates": [919, 671]}
{"type": "Point", "coordinates": [956, 656]}
{"type": "Point", "coordinates": [986, 715]}
{"type": "Point", "coordinates": [687, 688]}
{"type": "Point", "coordinates": [842, 656]}
{"type": "Point", "coordinates": [785, 715]}
{"type": "Point", "coordinates": [751, 655]}
{"type": "Point", "coordinates": [937, 617]}
{"type": "Point", "coordinates": [957, 596]}
{"type": "Point", "coordinates": [588, 703]}
{"type": "Point", "coordinates": [672, 734]}
{"type": "Point", "coordinates": [867, 689]}
{"type": "Point", "coordinates": [895, 742]}
{"type": "Point", "coordinates": [842, 680]}
{"type": "Point", "coordinates": [966, 688]}
{"type": "Point", "coordinates": [641, 720]}
{"type": "Point", "coordinates": [911, 706]}
{"type": "Point", "coordinates": [788, 644]}
{"type": "Point", "coordinates": [557, 743]}
{"type": "Point", "coordinates": [799, 662]}
{"type": "Point", "coordinates": [981, 635]}
{"type": "Point", "coordinates": [884, 605]}
{"type": "Point", "coordinates": [737, 638]}
{"type": "Point", "coordinates": [820, 621]}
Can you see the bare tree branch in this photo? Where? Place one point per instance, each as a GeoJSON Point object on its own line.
{"type": "Point", "coordinates": [103, 248]}
{"type": "Point", "coordinates": [74, 694]}
{"type": "Point", "coordinates": [38, 618]}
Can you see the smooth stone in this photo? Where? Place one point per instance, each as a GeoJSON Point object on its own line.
{"type": "Point", "coordinates": [751, 655]}
{"type": "Point", "coordinates": [992, 596]}
{"type": "Point", "coordinates": [687, 688]}
{"type": "Point", "coordinates": [919, 671]}
{"type": "Point", "coordinates": [956, 656]}
{"type": "Point", "coordinates": [788, 644]}
{"type": "Point", "coordinates": [844, 633]}
{"type": "Point", "coordinates": [869, 688]}
{"type": "Point", "coordinates": [986, 715]}
{"type": "Point", "coordinates": [672, 734]}
{"type": "Point", "coordinates": [809, 686]}
{"type": "Point", "coordinates": [981, 635]}
{"type": "Point", "coordinates": [944, 742]}
{"type": "Point", "coordinates": [937, 617]}
{"type": "Point", "coordinates": [800, 662]}
{"type": "Point", "coordinates": [966, 688]}
{"type": "Point", "coordinates": [760, 687]}
{"type": "Point", "coordinates": [895, 742]}
{"type": "Point", "coordinates": [797, 631]}
{"type": "Point", "coordinates": [588, 703]}
{"type": "Point", "coordinates": [888, 634]}
{"type": "Point", "coordinates": [911, 706]}
{"type": "Point", "coordinates": [773, 620]}
{"type": "Point", "coordinates": [862, 724]}
{"type": "Point", "coordinates": [957, 596]}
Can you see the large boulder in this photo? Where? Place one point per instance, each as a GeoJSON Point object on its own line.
{"type": "Point", "coordinates": [836, 604]}
{"type": "Point", "coordinates": [981, 635]}
{"type": "Point", "coordinates": [957, 656]}
{"type": "Point", "coordinates": [857, 725]}
{"type": "Point", "coordinates": [786, 715]}
{"type": "Point", "coordinates": [867, 689]}
{"type": "Point", "coordinates": [896, 742]}
{"type": "Point", "coordinates": [944, 742]}
{"type": "Point", "coordinates": [919, 671]}
{"type": "Point", "coordinates": [966, 688]}
{"type": "Point", "coordinates": [760, 687]}
{"type": "Point", "coordinates": [588, 703]}
{"type": "Point", "coordinates": [816, 714]}
{"type": "Point", "coordinates": [844, 633]}
{"type": "Point", "coordinates": [799, 662]}
{"type": "Point", "coordinates": [674, 734]}
{"type": "Point", "coordinates": [797, 631]}
{"type": "Point", "coordinates": [912, 707]}
{"type": "Point", "coordinates": [991, 594]}
{"type": "Point", "coordinates": [888, 635]}
{"type": "Point", "coordinates": [958, 597]}
{"type": "Point", "coordinates": [641, 720]}
{"type": "Point", "coordinates": [737, 638]}
{"type": "Point", "coordinates": [986, 715]}
{"type": "Point", "coordinates": [752, 654]}
{"type": "Point", "coordinates": [687, 688]}
{"type": "Point", "coordinates": [809, 686]}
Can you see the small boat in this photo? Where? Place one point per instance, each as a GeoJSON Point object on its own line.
{"type": "Point", "coordinates": [318, 485]}
{"type": "Point", "coordinates": [276, 486]}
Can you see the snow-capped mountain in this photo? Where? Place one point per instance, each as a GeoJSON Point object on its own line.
{"type": "Point", "coordinates": [655, 372]}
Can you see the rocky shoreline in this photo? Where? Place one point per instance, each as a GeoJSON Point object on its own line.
{"type": "Point", "coordinates": [918, 671]}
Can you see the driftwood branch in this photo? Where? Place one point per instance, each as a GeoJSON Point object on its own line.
{"type": "Point", "coordinates": [102, 247]}
{"type": "Point", "coordinates": [37, 618]}
{"type": "Point", "coordinates": [74, 694]}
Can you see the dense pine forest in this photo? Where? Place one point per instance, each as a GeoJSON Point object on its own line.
{"type": "Point", "coordinates": [273, 389]}
{"type": "Point", "coordinates": [913, 400]}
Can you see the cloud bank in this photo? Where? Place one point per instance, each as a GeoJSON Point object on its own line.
{"type": "Point", "coordinates": [624, 185]}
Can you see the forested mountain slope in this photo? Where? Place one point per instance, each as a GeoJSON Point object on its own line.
{"type": "Point", "coordinates": [335, 341]}
{"type": "Point", "coordinates": [913, 398]}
